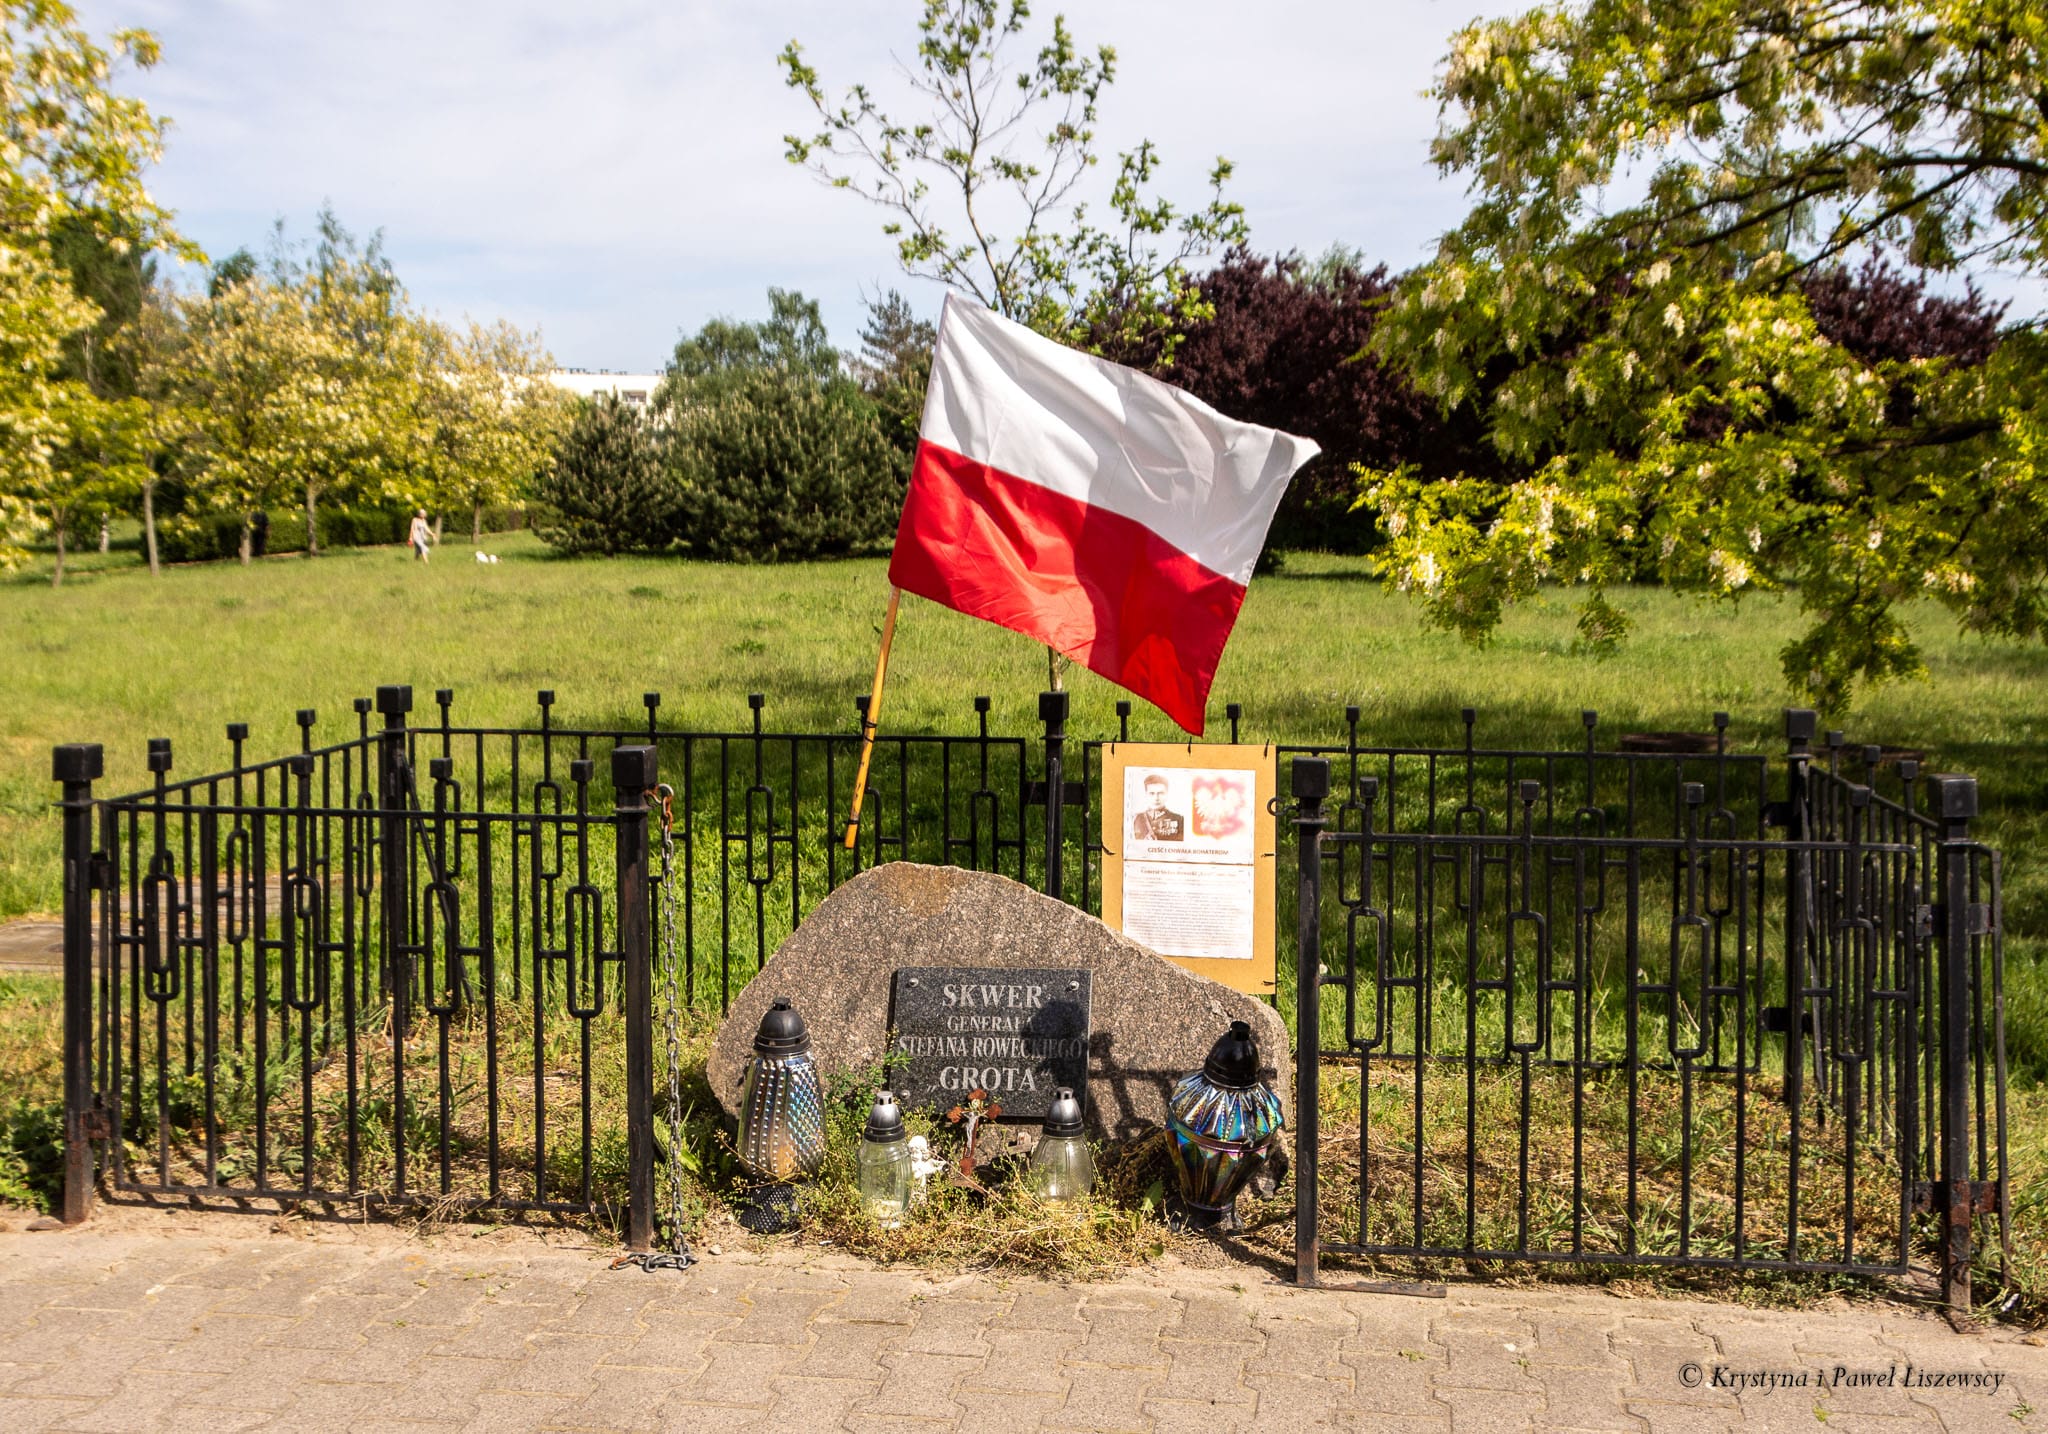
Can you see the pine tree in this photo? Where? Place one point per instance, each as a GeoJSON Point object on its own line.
{"type": "Point", "coordinates": [607, 490]}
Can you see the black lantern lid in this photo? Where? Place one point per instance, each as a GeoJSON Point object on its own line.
{"type": "Point", "coordinates": [783, 1032]}
{"type": "Point", "coordinates": [885, 1121]}
{"type": "Point", "coordinates": [1065, 1116]}
{"type": "Point", "coordinates": [1234, 1059]}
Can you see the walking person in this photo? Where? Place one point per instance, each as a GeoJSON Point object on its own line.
{"type": "Point", "coordinates": [419, 536]}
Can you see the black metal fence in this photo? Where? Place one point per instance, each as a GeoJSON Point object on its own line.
{"type": "Point", "coordinates": [416, 965]}
{"type": "Point", "coordinates": [317, 978]}
{"type": "Point", "coordinates": [1606, 1008]}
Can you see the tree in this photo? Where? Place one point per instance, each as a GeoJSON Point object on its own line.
{"type": "Point", "coordinates": [238, 268]}
{"type": "Point", "coordinates": [249, 377]}
{"type": "Point", "coordinates": [984, 193]}
{"type": "Point", "coordinates": [495, 420]}
{"type": "Point", "coordinates": [607, 490]}
{"type": "Point", "coordinates": [115, 276]}
{"type": "Point", "coordinates": [778, 468]}
{"type": "Point", "coordinates": [70, 172]}
{"type": "Point", "coordinates": [97, 464]}
{"type": "Point", "coordinates": [1880, 314]}
{"type": "Point", "coordinates": [1657, 375]}
{"type": "Point", "coordinates": [893, 367]}
{"type": "Point", "coordinates": [310, 377]}
{"type": "Point", "coordinates": [1281, 346]}
{"type": "Point", "coordinates": [102, 458]}
{"type": "Point", "coordinates": [37, 310]}
{"type": "Point", "coordinates": [368, 414]}
{"type": "Point", "coordinates": [775, 451]}
{"type": "Point", "coordinates": [154, 347]}
{"type": "Point", "coordinates": [791, 338]}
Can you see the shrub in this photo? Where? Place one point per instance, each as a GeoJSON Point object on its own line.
{"type": "Point", "coordinates": [504, 517]}
{"type": "Point", "coordinates": [32, 1154]}
{"type": "Point", "coordinates": [202, 537]}
{"type": "Point", "coordinates": [607, 490]}
{"type": "Point", "coordinates": [197, 537]}
{"type": "Point", "coordinates": [779, 466]}
{"type": "Point", "coordinates": [353, 528]}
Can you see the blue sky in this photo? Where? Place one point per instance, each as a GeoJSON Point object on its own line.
{"type": "Point", "coordinates": [613, 174]}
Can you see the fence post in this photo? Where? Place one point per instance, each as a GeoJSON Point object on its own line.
{"type": "Point", "coordinates": [635, 771]}
{"type": "Point", "coordinates": [394, 870]}
{"type": "Point", "coordinates": [1052, 711]}
{"type": "Point", "coordinates": [1800, 725]}
{"type": "Point", "coordinates": [1310, 780]}
{"type": "Point", "coordinates": [76, 766]}
{"type": "Point", "coordinates": [395, 703]}
{"type": "Point", "coordinates": [1955, 803]}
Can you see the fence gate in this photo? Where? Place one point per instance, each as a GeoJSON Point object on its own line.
{"type": "Point", "coordinates": [1631, 1008]}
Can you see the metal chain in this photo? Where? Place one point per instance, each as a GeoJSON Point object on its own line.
{"type": "Point", "coordinates": [678, 1256]}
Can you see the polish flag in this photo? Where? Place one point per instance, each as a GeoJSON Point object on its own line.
{"type": "Point", "coordinates": [1112, 517]}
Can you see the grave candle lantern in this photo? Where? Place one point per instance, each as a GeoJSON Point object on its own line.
{"type": "Point", "coordinates": [1061, 1167]}
{"type": "Point", "coordinates": [782, 1105]}
{"type": "Point", "coordinates": [885, 1173]}
{"type": "Point", "coordinates": [1221, 1121]}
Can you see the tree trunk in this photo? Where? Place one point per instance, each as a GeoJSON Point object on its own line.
{"type": "Point", "coordinates": [106, 534]}
{"type": "Point", "coordinates": [437, 530]}
{"type": "Point", "coordinates": [149, 524]}
{"type": "Point", "coordinates": [476, 523]}
{"type": "Point", "coordinates": [312, 532]}
{"type": "Point", "coordinates": [57, 578]}
{"type": "Point", "coordinates": [245, 540]}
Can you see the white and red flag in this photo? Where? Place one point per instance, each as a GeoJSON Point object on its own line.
{"type": "Point", "coordinates": [1112, 517]}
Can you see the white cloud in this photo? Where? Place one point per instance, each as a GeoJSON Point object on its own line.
{"type": "Point", "coordinates": [614, 174]}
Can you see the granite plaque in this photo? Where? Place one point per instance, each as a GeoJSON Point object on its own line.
{"type": "Point", "coordinates": [1017, 1032]}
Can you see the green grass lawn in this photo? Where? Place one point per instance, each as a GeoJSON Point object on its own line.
{"type": "Point", "coordinates": [116, 657]}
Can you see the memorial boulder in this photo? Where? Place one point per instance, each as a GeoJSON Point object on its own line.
{"type": "Point", "coordinates": [1035, 972]}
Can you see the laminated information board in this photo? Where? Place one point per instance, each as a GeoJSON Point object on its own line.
{"type": "Point", "coordinates": [1188, 855]}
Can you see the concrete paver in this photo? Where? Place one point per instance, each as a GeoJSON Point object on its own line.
{"type": "Point", "coordinates": [221, 1325]}
{"type": "Point", "coordinates": [33, 944]}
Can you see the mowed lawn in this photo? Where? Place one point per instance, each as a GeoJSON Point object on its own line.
{"type": "Point", "coordinates": [116, 657]}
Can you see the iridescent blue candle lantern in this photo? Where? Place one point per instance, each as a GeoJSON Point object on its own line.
{"type": "Point", "coordinates": [782, 1116]}
{"type": "Point", "coordinates": [1221, 1122]}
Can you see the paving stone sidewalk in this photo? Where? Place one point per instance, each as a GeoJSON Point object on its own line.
{"type": "Point", "coordinates": [199, 1325]}
{"type": "Point", "coordinates": [33, 944]}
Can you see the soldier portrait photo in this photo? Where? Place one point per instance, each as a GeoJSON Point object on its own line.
{"type": "Point", "coordinates": [1154, 822]}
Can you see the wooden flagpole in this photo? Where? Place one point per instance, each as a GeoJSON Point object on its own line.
{"type": "Point", "coordinates": [872, 719]}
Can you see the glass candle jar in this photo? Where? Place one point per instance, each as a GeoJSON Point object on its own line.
{"type": "Point", "coordinates": [884, 1166]}
{"type": "Point", "coordinates": [1061, 1167]}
